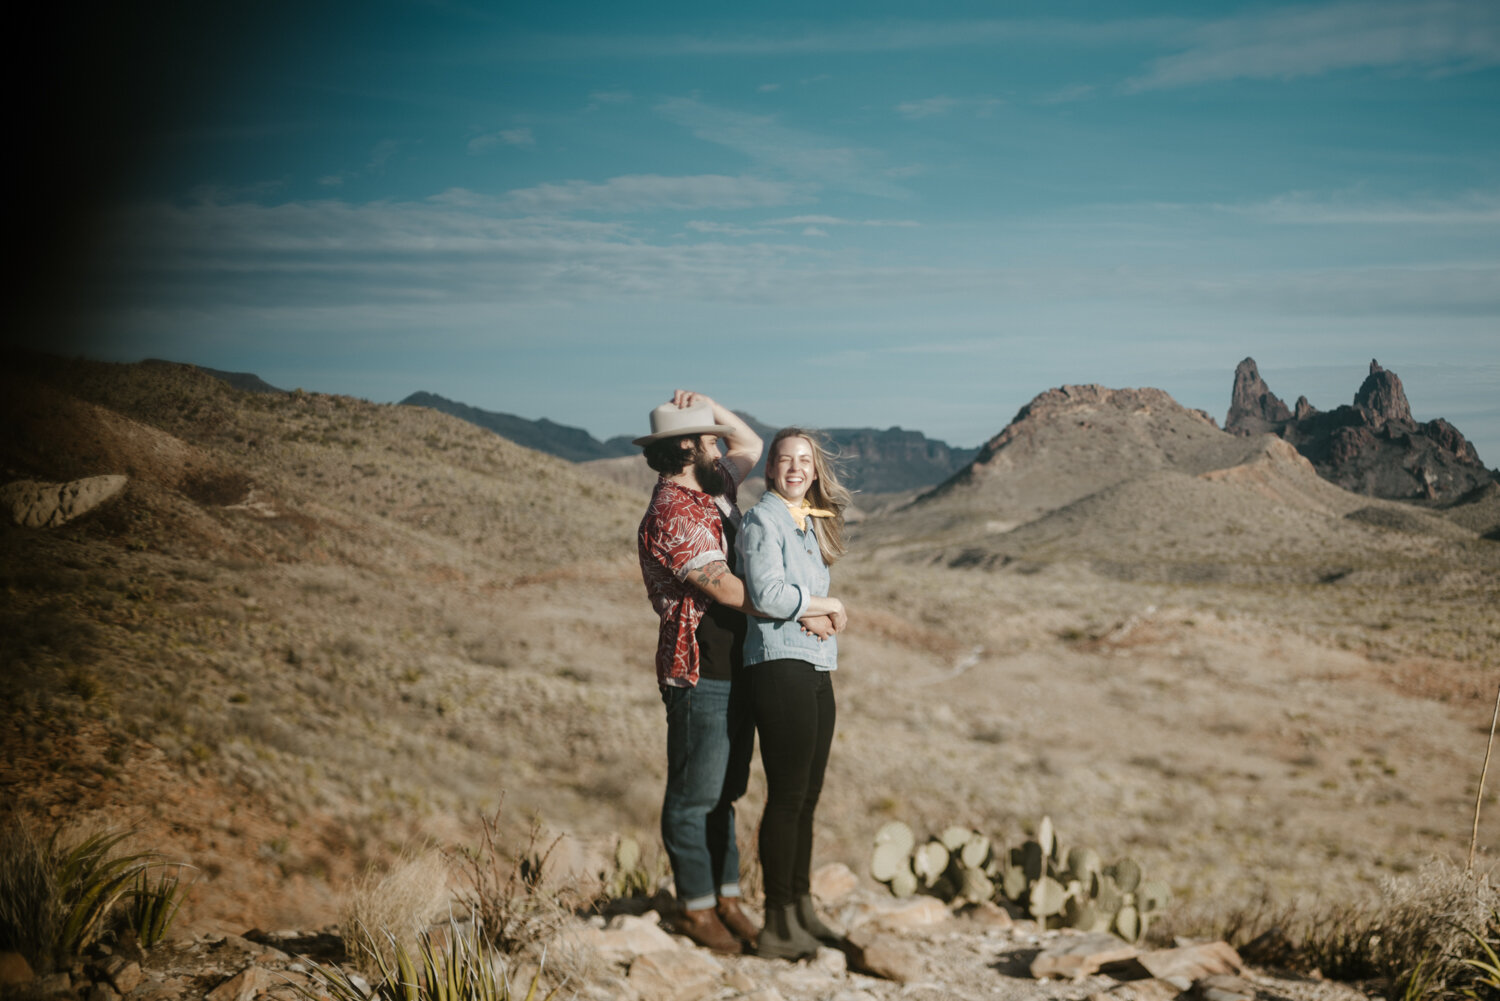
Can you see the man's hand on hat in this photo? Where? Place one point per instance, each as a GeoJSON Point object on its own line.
{"type": "Point", "coordinates": [684, 398]}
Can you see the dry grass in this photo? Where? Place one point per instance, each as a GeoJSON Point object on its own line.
{"type": "Point", "coordinates": [1415, 934]}
{"type": "Point", "coordinates": [392, 909]}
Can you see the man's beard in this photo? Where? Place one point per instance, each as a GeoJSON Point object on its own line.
{"type": "Point", "coordinates": [710, 476]}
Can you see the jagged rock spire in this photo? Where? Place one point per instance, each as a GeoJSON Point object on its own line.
{"type": "Point", "coordinates": [1253, 408]}
{"type": "Point", "coordinates": [1382, 397]}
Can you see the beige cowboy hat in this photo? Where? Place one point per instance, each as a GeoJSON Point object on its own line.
{"type": "Point", "coordinates": [670, 420]}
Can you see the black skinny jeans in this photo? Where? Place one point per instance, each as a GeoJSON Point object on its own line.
{"type": "Point", "coordinates": [794, 714]}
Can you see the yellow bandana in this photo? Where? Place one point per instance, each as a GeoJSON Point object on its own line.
{"type": "Point", "coordinates": [801, 510]}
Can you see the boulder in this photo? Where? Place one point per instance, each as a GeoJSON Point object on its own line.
{"type": "Point", "coordinates": [833, 882]}
{"type": "Point", "coordinates": [884, 955]}
{"type": "Point", "coordinates": [245, 985]}
{"type": "Point", "coordinates": [1192, 962]}
{"type": "Point", "coordinates": [675, 975]}
{"type": "Point", "coordinates": [624, 938]}
{"type": "Point", "coordinates": [1074, 956]}
{"type": "Point", "coordinates": [902, 915]}
{"type": "Point", "coordinates": [47, 505]}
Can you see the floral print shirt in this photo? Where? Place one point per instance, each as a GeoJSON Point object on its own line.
{"type": "Point", "coordinates": [682, 531]}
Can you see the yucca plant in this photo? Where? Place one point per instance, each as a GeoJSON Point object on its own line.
{"type": "Point", "coordinates": [90, 881]}
{"type": "Point", "coordinates": [456, 964]}
{"type": "Point", "coordinates": [153, 904]}
{"type": "Point", "coordinates": [57, 898]}
{"type": "Point", "coordinates": [1486, 964]}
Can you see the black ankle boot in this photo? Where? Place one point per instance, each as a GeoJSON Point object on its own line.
{"type": "Point", "coordinates": [808, 918]}
{"type": "Point", "coordinates": [783, 937]}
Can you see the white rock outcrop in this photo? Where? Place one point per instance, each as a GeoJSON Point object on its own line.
{"type": "Point", "coordinates": [48, 505]}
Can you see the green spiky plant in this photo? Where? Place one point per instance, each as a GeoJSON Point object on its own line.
{"type": "Point", "coordinates": [1486, 962]}
{"type": "Point", "coordinates": [56, 898]}
{"type": "Point", "coordinates": [152, 904]}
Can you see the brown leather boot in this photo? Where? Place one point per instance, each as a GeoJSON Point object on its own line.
{"type": "Point", "coordinates": [704, 927]}
{"type": "Point", "coordinates": [737, 921]}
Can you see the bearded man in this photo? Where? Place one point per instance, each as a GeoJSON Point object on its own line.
{"type": "Point", "coordinates": [687, 554]}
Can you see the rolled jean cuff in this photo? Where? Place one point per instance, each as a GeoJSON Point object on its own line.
{"type": "Point", "coordinates": [699, 903]}
{"type": "Point", "coordinates": [729, 890]}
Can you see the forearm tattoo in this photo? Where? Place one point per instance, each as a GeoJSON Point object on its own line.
{"type": "Point", "coordinates": [708, 577]}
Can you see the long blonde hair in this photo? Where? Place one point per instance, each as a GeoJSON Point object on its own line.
{"type": "Point", "coordinates": [826, 491]}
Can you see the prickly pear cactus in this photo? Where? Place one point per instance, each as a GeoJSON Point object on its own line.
{"type": "Point", "coordinates": [1058, 888]}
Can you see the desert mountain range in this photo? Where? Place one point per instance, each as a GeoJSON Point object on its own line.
{"type": "Point", "coordinates": [1372, 446]}
{"type": "Point", "coordinates": [310, 629]}
{"type": "Point", "coordinates": [876, 461]}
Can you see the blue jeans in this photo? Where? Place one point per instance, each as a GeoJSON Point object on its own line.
{"type": "Point", "coordinates": [710, 741]}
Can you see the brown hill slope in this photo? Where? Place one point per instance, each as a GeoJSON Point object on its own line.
{"type": "Point", "coordinates": [307, 610]}
{"type": "Point", "coordinates": [397, 617]}
{"type": "Point", "coordinates": [1072, 441]}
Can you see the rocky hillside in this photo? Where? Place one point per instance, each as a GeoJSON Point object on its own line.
{"type": "Point", "coordinates": [311, 630]}
{"type": "Point", "coordinates": [573, 444]}
{"type": "Point", "coordinates": [1135, 485]}
{"type": "Point", "coordinates": [1075, 440]}
{"type": "Point", "coordinates": [1373, 446]}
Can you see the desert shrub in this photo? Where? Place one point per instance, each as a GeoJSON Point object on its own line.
{"type": "Point", "coordinates": [216, 488]}
{"type": "Point", "coordinates": [456, 964]}
{"type": "Point", "coordinates": [57, 898]}
{"type": "Point", "coordinates": [504, 889]}
{"type": "Point", "coordinates": [1424, 936]}
{"type": "Point", "coordinates": [391, 910]}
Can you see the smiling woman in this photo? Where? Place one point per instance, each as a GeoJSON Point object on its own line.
{"type": "Point", "coordinates": [788, 540]}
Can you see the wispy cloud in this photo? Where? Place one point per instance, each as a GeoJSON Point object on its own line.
{"type": "Point", "coordinates": [799, 154]}
{"type": "Point", "coordinates": [1338, 208]}
{"type": "Point", "coordinates": [601, 98]}
{"type": "Point", "coordinates": [382, 153]}
{"type": "Point", "coordinates": [828, 220]}
{"type": "Point", "coordinates": [1068, 94]}
{"type": "Point", "coordinates": [653, 192]}
{"type": "Point", "coordinates": [1302, 208]}
{"type": "Point", "coordinates": [710, 227]}
{"type": "Point", "coordinates": [460, 248]}
{"type": "Point", "coordinates": [1441, 36]}
{"type": "Point", "coordinates": [521, 137]}
{"type": "Point", "coordinates": [871, 36]}
{"type": "Point", "coordinates": [933, 107]}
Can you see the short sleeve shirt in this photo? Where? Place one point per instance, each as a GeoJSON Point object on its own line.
{"type": "Point", "coordinates": [682, 531]}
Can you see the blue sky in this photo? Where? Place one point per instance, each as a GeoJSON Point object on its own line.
{"type": "Point", "coordinates": [872, 214]}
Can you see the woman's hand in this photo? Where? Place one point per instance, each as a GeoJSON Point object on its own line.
{"type": "Point", "coordinates": [831, 607]}
{"type": "Point", "coordinates": [820, 626]}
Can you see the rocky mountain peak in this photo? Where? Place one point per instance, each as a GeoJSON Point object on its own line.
{"type": "Point", "coordinates": [1373, 446]}
{"type": "Point", "coordinates": [1253, 408]}
{"type": "Point", "coordinates": [1382, 397]}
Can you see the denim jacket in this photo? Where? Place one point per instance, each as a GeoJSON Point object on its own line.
{"type": "Point", "coordinates": [783, 570]}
